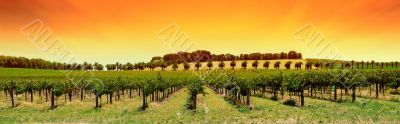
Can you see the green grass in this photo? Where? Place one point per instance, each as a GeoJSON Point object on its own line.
{"type": "Point", "coordinates": [212, 108]}
{"type": "Point", "coordinates": [19, 73]}
{"type": "Point", "coordinates": [29, 72]}
{"type": "Point", "coordinates": [37, 73]}
{"type": "Point", "coordinates": [328, 112]}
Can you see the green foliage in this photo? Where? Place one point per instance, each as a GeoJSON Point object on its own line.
{"type": "Point", "coordinates": [174, 66]}
{"type": "Point", "coordinates": [394, 80]}
{"type": "Point", "coordinates": [98, 87]}
{"type": "Point", "coordinates": [198, 65]}
{"type": "Point", "coordinates": [255, 64]}
{"type": "Point", "coordinates": [233, 64]}
{"type": "Point", "coordinates": [235, 84]}
{"type": "Point", "coordinates": [221, 64]}
{"type": "Point", "coordinates": [186, 65]}
{"type": "Point", "coordinates": [195, 86]}
{"type": "Point", "coordinates": [244, 64]}
{"type": "Point", "coordinates": [58, 89]}
{"type": "Point", "coordinates": [209, 64]}
{"type": "Point", "coordinates": [287, 64]}
{"type": "Point", "coordinates": [294, 82]}
{"type": "Point", "coordinates": [275, 98]}
{"type": "Point", "coordinates": [354, 78]}
{"type": "Point", "coordinates": [266, 64]}
{"type": "Point", "coordinates": [290, 102]}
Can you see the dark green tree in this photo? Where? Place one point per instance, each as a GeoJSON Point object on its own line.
{"type": "Point", "coordinates": [174, 66]}
{"type": "Point", "coordinates": [195, 87]}
{"type": "Point", "coordinates": [288, 64]}
{"type": "Point", "coordinates": [255, 64]}
{"type": "Point", "coordinates": [277, 65]}
{"type": "Point", "coordinates": [233, 64]}
{"type": "Point", "coordinates": [244, 64]}
{"type": "Point", "coordinates": [221, 65]}
{"type": "Point", "coordinates": [266, 64]}
{"type": "Point", "coordinates": [210, 65]}
{"type": "Point", "coordinates": [197, 65]}
{"type": "Point", "coordinates": [186, 66]}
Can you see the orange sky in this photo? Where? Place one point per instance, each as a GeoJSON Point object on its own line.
{"type": "Point", "coordinates": [126, 30]}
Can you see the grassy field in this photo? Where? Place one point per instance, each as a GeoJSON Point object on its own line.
{"type": "Point", "coordinates": [212, 108]}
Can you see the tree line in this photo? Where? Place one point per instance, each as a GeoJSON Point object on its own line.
{"type": "Point", "coordinates": [204, 56]}
{"type": "Point", "coordinates": [329, 64]}
{"type": "Point", "coordinates": [196, 56]}
{"type": "Point", "coordinates": [35, 63]}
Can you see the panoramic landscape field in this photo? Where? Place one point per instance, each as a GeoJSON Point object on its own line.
{"type": "Point", "coordinates": [241, 96]}
{"type": "Point", "coordinates": [200, 62]}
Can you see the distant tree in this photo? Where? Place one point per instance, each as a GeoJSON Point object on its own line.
{"type": "Point", "coordinates": [266, 64]}
{"type": "Point", "coordinates": [392, 63]}
{"type": "Point", "coordinates": [352, 64]}
{"type": "Point", "coordinates": [309, 65]}
{"type": "Point", "coordinates": [327, 65]}
{"type": "Point", "coordinates": [387, 64]}
{"type": "Point", "coordinates": [396, 63]}
{"type": "Point", "coordinates": [110, 67]}
{"type": "Point", "coordinates": [317, 65]}
{"type": "Point", "coordinates": [163, 65]}
{"type": "Point", "coordinates": [116, 66]}
{"type": "Point", "coordinates": [85, 65]}
{"type": "Point", "coordinates": [124, 67]}
{"type": "Point", "coordinates": [88, 67]}
{"type": "Point", "coordinates": [321, 65]}
{"type": "Point", "coordinates": [298, 65]}
{"type": "Point", "coordinates": [22, 62]}
{"type": "Point", "coordinates": [255, 64]}
{"type": "Point", "coordinates": [95, 65]}
{"type": "Point", "coordinates": [197, 65]}
{"type": "Point", "coordinates": [129, 66]}
{"type": "Point", "coordinates": [80, 67]}
{"type": "Point", "coordinates": [186, 66]}
{"type": "Point", "coordinates": [179, 57]}
{"type": "Point", "coordinates": [292, 55]}
{"type": "Point", "coordinates": [210, 65]}
{"type": "Point", "coordinates": [150, 65]}
{"type": "Point", "coordinates": [156, 58]}
{"type": "Point", "coordinates": [140, 66]}
{"type": "Point", "coordinates": [283, 55]}
{"type": "Point", "coordinates": [244, 64]}
{"type": "Point", "coordinates": [287, 64]}
{"type": "Point", "coordinates": [372, 64]}
{"type": "Point", "coordinates": [233, 64]}
{"type": "Point", "coordinates": [358, 65]}
{"type": "Point", "coordinates": [277, 65]}
{"type": "Point", "coordinates": [120, 67]}
{"type": "Point", "coordinates": [99, 67]}
{"type": "Point", "coordinates": [174, 66]}
{"type": "Point", "coordinates": [348, 65]}
{"type": "Point", "coordinates": [362, 64]}
{"type": "Point", "coordinates": [221, 65]}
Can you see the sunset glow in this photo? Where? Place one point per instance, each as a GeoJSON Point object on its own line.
{"type": "Point", "coordinates": [126, 31]}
